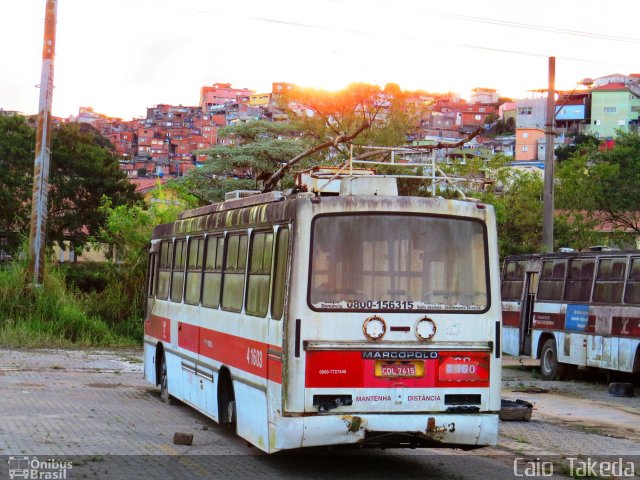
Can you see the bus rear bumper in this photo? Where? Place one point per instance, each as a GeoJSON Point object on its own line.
{"type": "Point", "coordinates": [393, 430]}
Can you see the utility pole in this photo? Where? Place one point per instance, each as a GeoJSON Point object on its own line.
{"type": "Point", "coordinates": [39, 200]}
{"type": "Point", "coordinates": [547, 213]}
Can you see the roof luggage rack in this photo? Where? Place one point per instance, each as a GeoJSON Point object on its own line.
{"type": "Point", "coordinates": [329, 180]}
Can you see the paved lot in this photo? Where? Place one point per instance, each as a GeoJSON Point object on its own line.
{"type": "Point", "coordinates": [95, 410]}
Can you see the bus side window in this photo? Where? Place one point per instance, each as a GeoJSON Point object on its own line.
{"type": "Point", "coordinates": [280, 273]}
{"type": "Point", "coordinates": [513, 280]}
{"type": "Point", "coordinates": [194, 271]}
{"type": "Point", "coordinates": [151, 275]}
{"type": "Point", "coordinates": [257, 301]}
{"type": "Point", "coordinates": [579, 280]}
{"type": "Point", "coordinates": [164, 273]}
{"type": "Point", "coordinates": [610, 280]}
{"type": "Point", "coordinates": [551, 281]}
{"type": "Point", "coordinates": [177, 275]}
{"type": "Point", "coordinates": [632, 292]}
{"type": "Point", "coordinates": [233, 274]}
{"type": "Point", "coordinates": [212, 272]}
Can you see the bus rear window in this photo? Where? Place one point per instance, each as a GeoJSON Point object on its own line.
{"type": "Point", "coordinates": [398, 262]}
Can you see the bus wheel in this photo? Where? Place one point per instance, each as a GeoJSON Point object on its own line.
{"type": "Point", "coordinates": [226, 399]}
{"type": "Point", "coordinates": [550, 368]}
{"type": "Point", "coordinates": [164, 381]}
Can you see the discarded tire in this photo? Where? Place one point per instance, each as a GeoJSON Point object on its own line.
{"type": "Point", "coordinates": [621, 389]}
{"type": "Point", "coordinates": [517, 411]}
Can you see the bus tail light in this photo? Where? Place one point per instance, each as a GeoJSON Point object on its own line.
{"type": "Point", "coordinates": [468, 367]}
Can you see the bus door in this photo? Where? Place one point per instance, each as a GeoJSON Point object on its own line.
{"type": "Point", "coordinates": [526, 313]}
{"type": "Point", "coordinates": [277, 307]}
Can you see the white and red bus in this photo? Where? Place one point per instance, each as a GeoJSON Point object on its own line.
{"type": "Point", "coordinates": [573, 309]}
{"type": "Point", "coordinates": [306, 320]}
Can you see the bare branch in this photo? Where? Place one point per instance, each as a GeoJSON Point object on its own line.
{"type": "Point", "coordinates": [373, 153]}
{"type": "Point", "coordinates": [275, 178]}
{"type": "Point", "coordinates": [440, 145]}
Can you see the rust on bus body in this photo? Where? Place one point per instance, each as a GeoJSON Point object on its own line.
{"type": "Point", "coordinates": [216, 217]}
{"type": "Point", "coordinates": [258, 214]}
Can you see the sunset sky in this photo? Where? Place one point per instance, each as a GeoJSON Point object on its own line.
{"type": "Point", "coordinates": [121, 56]}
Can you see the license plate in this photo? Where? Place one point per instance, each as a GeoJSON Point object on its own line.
{"type": "Point", "coordinates": [399, 369]}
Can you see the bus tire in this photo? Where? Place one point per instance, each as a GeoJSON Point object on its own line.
{"type": "Point", "coordinates": [550, 367]}
{"type": "Point", "coordinates": [164, 380]}
{"type": "Point", "coordinates": [226, 399]}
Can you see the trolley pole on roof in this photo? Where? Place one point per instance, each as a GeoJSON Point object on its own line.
{"type": "Point", "coordinates": [39, 200]}
{"type": "Point", "coordinates": [547, 203]}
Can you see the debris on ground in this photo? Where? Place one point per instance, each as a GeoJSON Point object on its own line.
{"type": "Point", "coordinates": [180, 438]}
{"type": "Point", "coordinates": [531, 389]}
{"type": "Point", "coordinates": [518, 410]}
{"type": "Point", "coordinates": [621, 389]}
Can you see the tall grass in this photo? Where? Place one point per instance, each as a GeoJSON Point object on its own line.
{"type": "Point", "coordinates": [52, 315]}
{"type": "Point", "coordinates": [120, 303]}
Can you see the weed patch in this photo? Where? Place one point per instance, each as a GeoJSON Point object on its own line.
{"type": "Point", "coordinates": [53, 314]}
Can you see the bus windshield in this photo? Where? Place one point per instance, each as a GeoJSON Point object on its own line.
{"type": "Point", "coordinates": [398, 262]}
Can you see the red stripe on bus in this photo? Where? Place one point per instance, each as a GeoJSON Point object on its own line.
{"type": "Point", "coordinates": [625, 326]}
{"type": "Point", "coordinates": [274, 369]}
{"type": "Point", "coordinates": [347, 369]}
{"type": "Point", "coordinates": [188, 336]}
{"type": "Point", "coordinates": [556, 321]}
{"type": "Point", "coordinates": [510, 318]}
{"type": "Point", "coordinates": [550, 321]}
{"type": "Point", "coordinates": [158, 327]}
{"type": "Point", "coordinates": [248, 355]}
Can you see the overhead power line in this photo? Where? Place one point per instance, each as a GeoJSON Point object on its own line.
{"type": "Point", "coordinates": [542, 28]}
{"type": "Point", "coordinates": [468, 18]}
{"type": "Point", "coordinates": [509, 23]}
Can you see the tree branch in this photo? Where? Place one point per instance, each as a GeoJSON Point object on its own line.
{"type": "Point", "coordinates": [277, 175]}
{"type": "Point", "coordinates": [439, 145]}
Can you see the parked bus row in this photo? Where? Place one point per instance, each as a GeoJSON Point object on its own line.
{"type": "Point", "coordinates": [573, 309]}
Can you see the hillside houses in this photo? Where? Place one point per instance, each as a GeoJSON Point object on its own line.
{"type": "Point", "coordinates": [170, 140]}
{"type": "Point", "coordinates": [608, 104]}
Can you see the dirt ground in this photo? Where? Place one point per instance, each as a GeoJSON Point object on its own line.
{"type": "Point", "coordinates": [95, 409]}
{"type": "Point", "coordinates": [583, 403]}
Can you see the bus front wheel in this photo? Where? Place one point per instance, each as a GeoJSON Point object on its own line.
{"type": "Point", "coordinates": [550, 367]}
{"type": "Point", "coordinates": [164, 381]}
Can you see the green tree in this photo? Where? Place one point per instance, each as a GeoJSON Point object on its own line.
{"type": "Point", "coordinates": [17, 145]}
{"type": "Point", "coordinates": [342, 123]}
{"type": "Point", "coordinates": [385, 111]}
{"type": "Point", "coordinates": [505, 126]}
{"type": "Point", "coordinates": [256, 150]}
{"type": "Point", "coordinates": [518, 207]}
{"type": "Point", "coordinates": [604, 184]}
{"type": "Point", "coordinates": [83, 170]}
{"type": "Point", "coordinates": [127, 230]}
{"type": "Point", "coordinates": [323, 125]}
{"type": "Point", "coordinates": [576, 230]}
{"type": "Point", "coordinates": [582, 143]}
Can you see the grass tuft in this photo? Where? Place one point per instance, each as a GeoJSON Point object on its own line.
{"type": "Point", "coordinates": [54, 314]}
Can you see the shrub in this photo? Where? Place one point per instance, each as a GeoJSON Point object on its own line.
{"type": "Point", "coordinates": [52, 314]}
